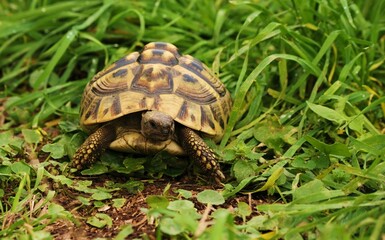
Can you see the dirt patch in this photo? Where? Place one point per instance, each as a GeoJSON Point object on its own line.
{"type": "Point", "coordinates": [131, 212]}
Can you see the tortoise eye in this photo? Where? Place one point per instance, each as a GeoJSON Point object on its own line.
{"type": "Point", "coordinates": [152, 124]}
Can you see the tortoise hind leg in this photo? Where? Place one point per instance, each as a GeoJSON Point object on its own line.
{"type": "Point", "coordinates": [199, 152]}
{"type": "Point", "coordinates": [93, 147]}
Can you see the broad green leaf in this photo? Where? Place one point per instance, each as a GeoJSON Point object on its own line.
{"type": "Point", "coordinates": [185, 193]}
{"type": "Point", "coordinates": [258, 222]}
{"type": "Point", "coordinates": [32, 136]}
{"type": "Point", "coordinates": [84, 201]}
{"type": "Point", "coordinates": [95, 169]}
{"type": "Point", "coordinates": [244, 209]}
{"type": "Point", "coordinates": [243, 169]}
{"type": "Point", "coordinates": [100, 220]}
{"type": "Point", "coordinates": [224, 223]}
{"type": "Point", "coordinates": [338, 231]}
{"type": "Point", "coordinates": [337, 149]}
{"type": "Point", "coordinates": [328, 113]}
{"type": "Point", "coordinates": [180, 205]}
{"type": "Point", "coordinates": [372, 144]}
{"type": "Point", "coordinates": [8, 138]}
{"type": "Point", "coordinates": [84, 186]}
{"type": "Point", "coordinates": [124, 232]}
{"type": "Point", "coordinates": [99, 204]}
{"type": "Point", "coordinates": [62, 179]}
{"type": "Point", "coordinates": [170, 226]}
{"type": "Point", "coordinates": [357, 124]}
{"type": "Point", "coordinates": [5, 170]}
{"type": "Point", "coordinates": [134, 164]}
{"type": "Point", "coordinates": [41, 234]}
{"type": "Point", "coordinates": [313, 192]}
{"type": "Point", "coordinates": [21, 168]}
{"type": "Point", "coordinates": [68, 126]}
{"type": "Point", "coordinates": [118, 202]}
{"type": "Point", "coordinates": [273, 134]}
{"type": "Point", "coordinates": [210, 197]}
{"type": "Point", "coordinates": [100, 195]}
{"type": "Point", "coordinates": [157, 202]}
{"type": "Point", "coordinates": [55, 149]}
{"type": "Point", "coordinates": [55, 209]}
{"type": "Point", "coordinates": [34, 76]}
{"type": "Point", "coordinates": [300, 162]}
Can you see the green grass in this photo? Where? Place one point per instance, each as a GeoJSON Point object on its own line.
{"type": "Point", "coordinates": [305, 131]}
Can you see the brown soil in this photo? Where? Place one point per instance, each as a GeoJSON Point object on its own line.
{"type": "Point", "coordinates": [131, 212]}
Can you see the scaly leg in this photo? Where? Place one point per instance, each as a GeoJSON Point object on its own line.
{"type": "Point", "coordinates": [94, 146]}
{"type": "Point", "coordinates": [199, 152]}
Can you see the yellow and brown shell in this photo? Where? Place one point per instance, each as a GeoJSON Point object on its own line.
{"type": "Point", "coordinates": [158, 78]}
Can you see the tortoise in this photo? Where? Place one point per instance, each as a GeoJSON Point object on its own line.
{"type": "Point", "coordinates": [151, 101]}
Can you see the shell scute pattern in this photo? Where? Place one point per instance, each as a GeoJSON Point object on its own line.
{"type": "Point", "coordinates": [154, 56]}
{"type": "Point", "coordinates": [201, 71]}
{"type": "Point", "coordinates": [153, 80]}
{"type": "Point", "coordinates": [120, 73]}
{"type": "Point", "coordinates": [164, 46]}
{"type": "Point", "coordinates": [158, 78]}
{"type": "Point", "coordinates": [129, 59]}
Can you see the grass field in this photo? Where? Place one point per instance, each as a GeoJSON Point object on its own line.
{"type": "Point", "coordinates": [303, 150]}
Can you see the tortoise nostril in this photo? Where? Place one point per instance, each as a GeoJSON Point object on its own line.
{"type": "Point", "coordinates": [165, 130]}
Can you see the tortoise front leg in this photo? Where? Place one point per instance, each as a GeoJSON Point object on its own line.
{"type": "Point", "coordinates": [93, 147]}
{"type": "Point", "coordinates": [199, 152]}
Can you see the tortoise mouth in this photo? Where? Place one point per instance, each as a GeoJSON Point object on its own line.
{"type": "Point", "coordinates": [157, 136]}
{"type": "Point", "coordinates": [158, 133]}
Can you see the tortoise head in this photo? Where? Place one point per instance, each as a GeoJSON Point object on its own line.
{"type": "Point", "coordinates": [157, 126]}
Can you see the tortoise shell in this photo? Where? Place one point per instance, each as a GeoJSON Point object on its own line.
{"type": "Point", "coordinates": [158, 78]}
